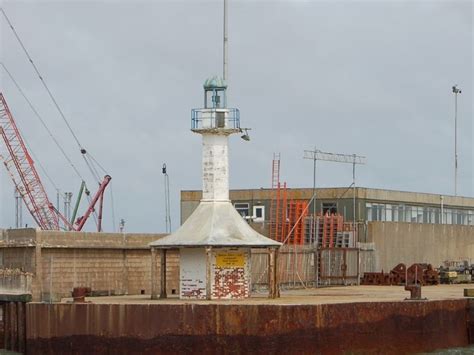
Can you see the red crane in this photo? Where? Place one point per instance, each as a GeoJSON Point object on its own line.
{"type": "Point", "coordinates": [22, 171]}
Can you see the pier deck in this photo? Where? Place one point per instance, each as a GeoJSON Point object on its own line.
{"type": "Point", "coordinates": [309, 296]}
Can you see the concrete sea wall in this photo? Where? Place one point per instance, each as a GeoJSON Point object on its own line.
{"type": "Point", "coordinates": [360, 328]}
{"type": "Point", "coordinates": [410, 243]}
{"type": "Point", "coordinates": [55, 262]}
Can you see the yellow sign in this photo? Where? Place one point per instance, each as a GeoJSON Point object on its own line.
{"type": "Point", "coordinates": [230, 260]}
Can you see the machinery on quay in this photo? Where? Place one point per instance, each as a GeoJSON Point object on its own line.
{"type": "Point", "coordinates": [456, 272]}
{"type": "Point", "coordinates": [418, 273]}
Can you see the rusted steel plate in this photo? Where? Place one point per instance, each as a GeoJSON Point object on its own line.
{"type": "Point", "coordinates": [375, 327]}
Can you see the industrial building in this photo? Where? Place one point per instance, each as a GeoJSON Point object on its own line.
{"type": "Point", "coordinates": [370, 205]}
{"type": "Point", "coordinates": [394, 226]}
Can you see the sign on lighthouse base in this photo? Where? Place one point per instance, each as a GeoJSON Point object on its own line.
{"type": "Point", "coordinates": [228, 268]}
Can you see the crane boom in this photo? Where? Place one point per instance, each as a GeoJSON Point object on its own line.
{"type": "Point", "coordinates": [22, 170]}
{"type": "Point", "coordinates": [98, 196]}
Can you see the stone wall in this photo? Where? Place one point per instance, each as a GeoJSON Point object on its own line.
{"type": "Point", "coordinates": [109, 263]}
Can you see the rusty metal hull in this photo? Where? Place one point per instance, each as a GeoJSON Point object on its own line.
{"type": "Point", "coordinates": [367, 328]}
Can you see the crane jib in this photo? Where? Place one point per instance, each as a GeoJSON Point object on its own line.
{"type": "Point", "coordinates": [20, 167]}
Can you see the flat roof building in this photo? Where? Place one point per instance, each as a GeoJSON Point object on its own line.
{"type": "Point", "coordinates": [370, 204]}
{"type": "Point", "coordinates": [396, 226]}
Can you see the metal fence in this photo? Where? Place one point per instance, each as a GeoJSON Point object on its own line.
{"type": "Point", "coordinates": [338, 266]}
{"type": "Point", "coordinates": [296, 267]}
{"type": "Point", "coordinates": [304, 266]}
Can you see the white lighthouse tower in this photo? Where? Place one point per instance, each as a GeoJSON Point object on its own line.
{"type": "Point", "coordinates": [215, 242]}
{"type": "Point", "coordinates": [215, 122]}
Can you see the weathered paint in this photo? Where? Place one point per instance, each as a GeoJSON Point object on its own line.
{"type": "Point", "coordinates": [215, 167]}
{"type": "Point", "coordinates": [361, 328]}
{"type": "Point", "coordinates": [230, 273]}
{"type": "Point", "coordinates": [192, 267]}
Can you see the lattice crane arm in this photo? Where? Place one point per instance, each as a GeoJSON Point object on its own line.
{"type": "Point", "coordinates": [21, 168]}
{"type": "Point", "coordinates": [22, 171]}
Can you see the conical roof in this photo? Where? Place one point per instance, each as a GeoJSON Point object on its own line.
{"type": "Point", "coordinates": [215, 223]}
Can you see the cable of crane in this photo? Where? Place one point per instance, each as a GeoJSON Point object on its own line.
{"type": "Point", "coordinates": [113, 206]}
{"type": "Point", "coordinates": [82, 150]}
{"type": "Point", "coordinates": [91, 168]}
{"type": "Point", "coordinates": [97, 163]}
{"type": "Point", "coordinates": [35, 111]}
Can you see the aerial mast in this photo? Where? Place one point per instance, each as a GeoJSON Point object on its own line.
{"type": "Point", "coordinates": [226, 40]}
{"type": "Point", "coordinates": [338, 158]}
{"type": "Point", "coordinates": [456, 91]}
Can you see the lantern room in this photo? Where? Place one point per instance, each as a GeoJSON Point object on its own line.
{"type": "Point", "coordinates": [215, 117]}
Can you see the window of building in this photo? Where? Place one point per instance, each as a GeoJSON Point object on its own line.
{"type": "Point", "coordinates": [448, 216]}
{"type": "Point", "coordinates": [470, 218]}
{"type": "Point", "coordinates": [395, 213]}
{"type": "Point", "coordinates": [368, 211]}
{"type": "Point", "coordinates": [401, 213]}
{"type": "Point", "coordinates": [418, 214]}
{"type": "Point", "coordinates": [388, 213]}
{"type": "Point", "coordinates": [381, 212]}
{"type": "Point", "coordinates": [258, 213]}
{"type": "Point", "coordinates": [242, 208]}
{"type": "Point", "coordinates": [330, 207]}
{"type": "Point", "coordinates": [414, 214]}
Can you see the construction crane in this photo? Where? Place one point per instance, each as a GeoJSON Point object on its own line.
{"type": "Point", "coordinates": [22, 171]}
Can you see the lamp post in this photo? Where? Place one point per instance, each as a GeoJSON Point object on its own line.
{"type": "Point", "coordinates": [167, 199]}
{"type": "Point", "coordinates": [456, 91]}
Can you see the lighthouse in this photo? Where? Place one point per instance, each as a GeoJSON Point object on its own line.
{"type": "Point", "coordinates": [215, 122]}
{"type": "Point", "coordinates": [215, 242]}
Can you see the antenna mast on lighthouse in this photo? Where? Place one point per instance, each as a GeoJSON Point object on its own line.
{"type": "Point", "coordinates": [226, 40]}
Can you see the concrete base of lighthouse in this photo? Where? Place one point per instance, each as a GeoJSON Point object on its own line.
{"type": "Point", "coordinates": [215, 273]}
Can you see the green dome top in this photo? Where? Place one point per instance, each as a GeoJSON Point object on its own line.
{"type": "Point", "coordinates": [215, 82]}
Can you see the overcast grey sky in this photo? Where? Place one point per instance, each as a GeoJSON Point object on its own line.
{"type": "Point", "coordinates": [366, 77]}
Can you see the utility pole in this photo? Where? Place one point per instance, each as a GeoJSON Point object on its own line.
{"type": "Point", "coordinates": [337, 158]}
{"type": "Point", "coordinates": [67, 205]}
{"type": "Point", "coordinates": [456, 91]}
{"type": "Point", "coordinates": [167, 200]}
{"type": "Point", "coordinates": [18, 209]}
